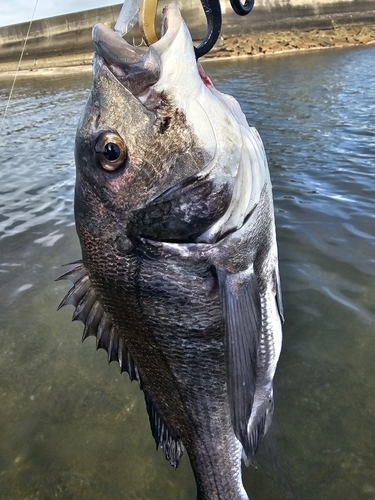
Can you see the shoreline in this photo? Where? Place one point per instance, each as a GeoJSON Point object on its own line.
{"type": "Point", "coordinates": [260, 44]}
{"type": "Point", "coordinates": [280, 42]}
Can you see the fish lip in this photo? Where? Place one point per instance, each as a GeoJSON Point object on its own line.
{"type": "Point", "coordinates": [113, 48]}
{"type": "Point", "coordinates": [114, 52]}
{"type": "Point", "coordinates": [136, 70]}
{"type": "Point", "coordinates": [171, 20]}
{"type": "Point", "coordinates": [125, 61]}
{"type": "Point", "coordinates": [110, 44]}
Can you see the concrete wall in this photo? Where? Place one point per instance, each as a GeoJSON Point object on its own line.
{"type": "Point", "coordinates": [281, 15]}
{"type": "Point", "coordinates": [66, 40]}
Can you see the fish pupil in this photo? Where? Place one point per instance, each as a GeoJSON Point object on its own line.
{"type": "Point", "coordinates": [111, 151]}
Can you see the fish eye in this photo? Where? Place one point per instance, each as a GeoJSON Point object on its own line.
{"type": "Point", "coordinates": [110, 151]}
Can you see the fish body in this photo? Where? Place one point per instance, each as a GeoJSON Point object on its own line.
{"type": "Point", "coordinates": [179, 276]}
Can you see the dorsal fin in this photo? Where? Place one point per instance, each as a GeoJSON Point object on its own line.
{"type": "Point", "coordinates": [96, 323]}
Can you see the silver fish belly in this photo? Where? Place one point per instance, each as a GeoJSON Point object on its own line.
{"type": "Point", "coordinates": [179, 277]}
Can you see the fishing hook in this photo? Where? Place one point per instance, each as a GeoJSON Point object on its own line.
{"type": "Point", "coordinates": [240, 8]}
{"type": "Point", "coordinates": [212, 11]}
{"type": "Point", "coordinates": [146, 20]}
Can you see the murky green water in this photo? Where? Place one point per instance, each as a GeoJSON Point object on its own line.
{"type": "Point", "coordinates": [70, 426]}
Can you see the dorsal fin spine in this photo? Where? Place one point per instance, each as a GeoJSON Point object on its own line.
{"type": "Point", "coordinates": [96, 323]}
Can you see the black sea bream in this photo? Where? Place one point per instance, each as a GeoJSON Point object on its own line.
{"type": "Point", "coordinates": [179, 276]}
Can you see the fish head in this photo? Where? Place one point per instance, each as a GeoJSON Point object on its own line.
{"type": "Point", "coordinates": [159, 152]}
{"type": "Point", "coordinates": [133, 141]}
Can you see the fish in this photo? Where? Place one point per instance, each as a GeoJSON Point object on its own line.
{"type": "Point", "coordinates": [179, 278]}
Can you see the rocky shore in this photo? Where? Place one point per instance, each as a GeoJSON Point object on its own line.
{"type": "Point", "coordinates": [261, 44]}
{"type": "Point", "coordinates": [249, 45]}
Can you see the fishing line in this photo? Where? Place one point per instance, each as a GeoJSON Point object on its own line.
{"type": "Point", "coordinates": [19, 64]}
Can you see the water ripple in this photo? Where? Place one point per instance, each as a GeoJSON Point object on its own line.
{"type": "Point", "coordinates": [316, 114]}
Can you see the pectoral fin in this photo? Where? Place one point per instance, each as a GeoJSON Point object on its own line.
{"type": "Point", "coordinates": [279, 297]}
{"type": "Point", "coordinates": [242, 319]}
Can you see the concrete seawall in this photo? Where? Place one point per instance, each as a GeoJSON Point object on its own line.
{"type": "Point", "coordinates": [66, 40]}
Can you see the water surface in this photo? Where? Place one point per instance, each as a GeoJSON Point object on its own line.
{"type": "Point", "coordinates": [70, 426]}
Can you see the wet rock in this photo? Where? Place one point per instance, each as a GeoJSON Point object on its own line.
{"type": "Point", "coordinates": [341, 41]}
{"type": "Point", "coordinates": [366, 31]}
{"type": "Point", "coordinates": [365, 38]}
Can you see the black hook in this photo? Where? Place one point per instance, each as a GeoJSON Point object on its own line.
{"type": "Point", "coordinates": [212, 11]}
{"type": "Point", "coordinates": [242, 9]}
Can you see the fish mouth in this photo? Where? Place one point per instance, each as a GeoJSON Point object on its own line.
{"type": "Point", "coordinates": [135, 69]}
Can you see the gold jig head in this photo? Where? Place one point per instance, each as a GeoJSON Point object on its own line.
{"type": "Point", "coordinates": [147, 15]}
